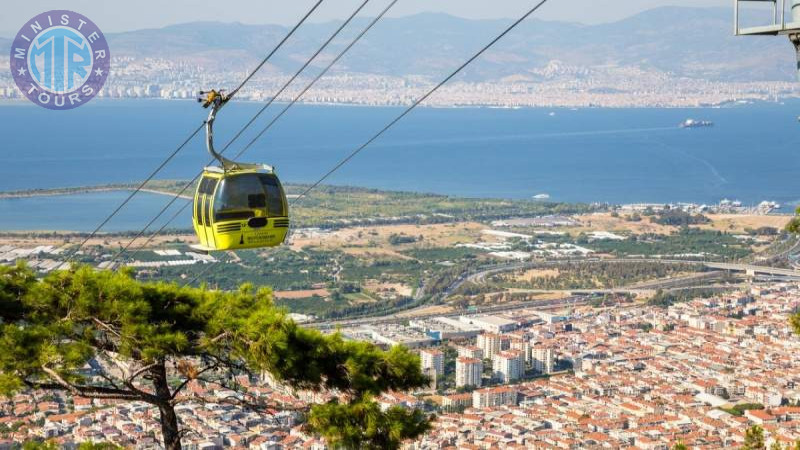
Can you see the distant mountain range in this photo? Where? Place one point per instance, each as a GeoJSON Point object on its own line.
{"type": "Point", "coordinates": [688, 42]}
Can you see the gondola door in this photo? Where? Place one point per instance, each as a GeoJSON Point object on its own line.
{"type": "Point", "coordinates": [204, 217]}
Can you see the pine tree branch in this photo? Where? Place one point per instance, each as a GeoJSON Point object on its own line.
{"type": "Point", "coordinates": [218, 338]}
{"type": "Point", "coordinates": [110, 380]}
{"type": "Point", "coordinates": [107, 327]}
{"type": "Point", "coordinates": [139, 372]}
{"type": "Point", "coordinates": [128, 379]}
{"type": "Point", "coordinates": [235, 401]}
{"type": "Point", "coordinates": [230, 364]}
{"type": "Point", "coordinates": [98, 392]}
{"type": "Point", "coordinates": [110, 329]}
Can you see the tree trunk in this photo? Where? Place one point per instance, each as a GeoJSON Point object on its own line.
{"type": "Point", "coordinates": [169, 428]}
{"type": "Point", "coordinates": [169, 420]}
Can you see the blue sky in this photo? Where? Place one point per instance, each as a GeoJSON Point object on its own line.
{"type": "Point", "coordinates": [116, 15]}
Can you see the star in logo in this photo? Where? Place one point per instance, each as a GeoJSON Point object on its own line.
{"type": "Point", "coordinates": [21, 71]}
{"type": "Point", "coordinates": [98, 72]}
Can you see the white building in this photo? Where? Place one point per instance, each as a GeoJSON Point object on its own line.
{"type": "Point", "coordinates": [523, 346]}
{"type": "Point", "coordinates": [432, 359]}
{"type": "Point", "coordinates": [542, 358]}
{"type": "Point", "coordinates": [507, 366]}
{"type": "Point", "coordinates": [497, 396]}
{"type": "Point", "coordinates": [468, 371]}
{"type": "Point", "coordinates": [490, 344]}
{"type": "Point", "coordinates": [457, 400]}
{"type": "Point", "coordinates": [471, 351]}
{"type": "Point", "coordinates": [492, 324]}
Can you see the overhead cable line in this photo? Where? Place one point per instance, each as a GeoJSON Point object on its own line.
{"type": "Point", "coordinates": [265, 129]}
{"type": "Point", "coordinates": [417, 102]}
{"type": "Point", "coordinates": [199, 275]}
{"type": "Point", "coordinates": [320, 75]}
{"type": "Point", "coordinates": [274, 50]}
{"type": "Point", "coordinates": [397, 119]}
{"type": "Point", "coordinates": [191, 136]}
{"type": "Point", "coordinates": [133, 193]}
{"type": "Point", "coordinates": [238, 134]}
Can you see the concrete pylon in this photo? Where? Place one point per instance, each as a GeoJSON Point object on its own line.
{"type": "Point", "coordinates": [795, 37]}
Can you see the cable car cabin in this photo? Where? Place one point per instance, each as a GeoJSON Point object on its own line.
{"type": "Point", "coordinates": [239, 209]}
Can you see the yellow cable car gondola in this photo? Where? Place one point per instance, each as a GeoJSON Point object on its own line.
{"type": "Point", "coordinates": [237, 205]}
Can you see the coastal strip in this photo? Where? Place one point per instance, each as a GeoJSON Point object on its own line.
{"type": "Point", "coordinates": [87, 190]}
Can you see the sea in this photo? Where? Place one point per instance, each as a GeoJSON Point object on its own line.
{"type": "Point", "coordinates": [613, 155]}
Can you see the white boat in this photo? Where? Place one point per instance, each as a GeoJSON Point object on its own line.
{"type": "Point", "coordinates": [691, 123]}
{"type": "Point", "coordinates": [541, 196]}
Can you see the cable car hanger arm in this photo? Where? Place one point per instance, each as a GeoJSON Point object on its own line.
{"type": "Point", "coordinates": [216, 100]}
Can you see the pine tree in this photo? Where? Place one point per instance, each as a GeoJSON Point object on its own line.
{"type": "Point", "coordinates": [794, 225]}
{"type": "Point", "coordinates": [152, 340]}
{"type": "Point", "coordinates": [754, 439]}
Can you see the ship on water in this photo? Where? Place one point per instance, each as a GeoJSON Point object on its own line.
{"type": "Point", "coordinates": [691, 123]}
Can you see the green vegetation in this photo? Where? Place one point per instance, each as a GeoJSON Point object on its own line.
{"type": "Point", "coordinates": [678, 218]}
{"type": "Point", "coordinates": [168, 186]}
{"type": "Point", "coordinates": [337, 206]}
{"type": "Point", "coordinates": [442, 254]}
{"type": "Point", "coordinates": [362, 425]}
{"type": "Point", "coordinates": [399, 239]}
{"type": "Point", "coordinates": [665, 299]}
{"type": "Point", "coordinates": [794, 225]}
{"type": "Point", "coordinates": [51, 327]}
{"type": "Point", "coordinates": [315, 305]}
{"type": "Point", "coordinates": [597, 275]}
{"type": "Point", "coordinates": [442, 280]}
{"type": "Point", "coordinates": [334, 206]}
{"type": "Point", "coordinates": [355, 270]}
{"type": "Point", "coordinates": [762, 231]}
{"type": "Point", "coordinates": [343, 307]}
{"type": "Point", "coordinates": [6, 428]}
{"type": "Point", "coordinates": [689, 243]}
{"type": "Point", "coordinates": [754, 439]}
{"type": "Point", "coordinates": [39, 445]}
{"type": "Point", "coordinates": [98, 446]}
{"type": "Point", "coordinates": [738, 410]}
{"type": "Point", "coordinates": [341, 273]}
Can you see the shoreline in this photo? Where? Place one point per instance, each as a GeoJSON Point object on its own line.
{"type": "Point", "coordinates": [57, 192]}
{"type": "Point", "coordinates": [80, 190]}
{"type": "Point", "coordinates": [729, 103]}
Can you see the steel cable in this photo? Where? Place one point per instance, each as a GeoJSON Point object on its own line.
{"type": "Point", "coordinates": [271, 123]}
{"type": "Point", "coordinates": [191, 136]}
{"type": "Point", "coordinates": [239, 133]}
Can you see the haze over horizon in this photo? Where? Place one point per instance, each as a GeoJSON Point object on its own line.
{"type": "Point", "coordinates": [153, 14]}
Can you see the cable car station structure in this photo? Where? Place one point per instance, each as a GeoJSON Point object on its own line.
{"type": "Point", "coordinates": [782, 23]}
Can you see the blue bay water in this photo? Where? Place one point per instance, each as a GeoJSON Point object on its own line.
{"type": "Point", "coordinates": [83, 212]}
{"type": "Point", "coordinates": [586, 155]}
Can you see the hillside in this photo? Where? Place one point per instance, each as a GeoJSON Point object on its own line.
{"type": "Point", "coordinates": [690, 42]}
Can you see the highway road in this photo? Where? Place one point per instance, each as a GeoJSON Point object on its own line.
{"type": "Point", "coordinates": [480, 276]}
{"type": "Point", "coordinates": [393, 318]}
{"type": "Point", "coordinates": [576, 297]}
